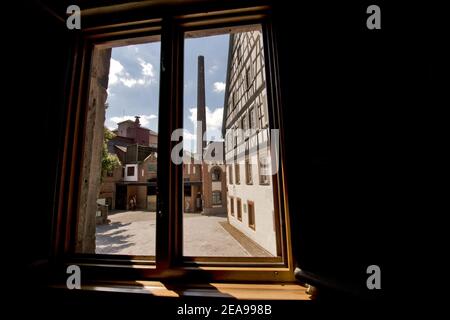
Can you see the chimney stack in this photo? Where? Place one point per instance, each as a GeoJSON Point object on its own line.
{"type": "Point", "coordinates": [201, 112]}
{"type": "Point", "coordinates": [137, 122]}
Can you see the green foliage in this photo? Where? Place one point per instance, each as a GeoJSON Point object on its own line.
{"type": "Point", "coordinates": [109, 161]}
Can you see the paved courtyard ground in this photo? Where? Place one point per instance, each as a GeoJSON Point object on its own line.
{"type": "Point", "coordinates": [133, 233]}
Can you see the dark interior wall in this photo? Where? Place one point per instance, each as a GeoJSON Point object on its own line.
{"type": "Point", "coordinates": [352, 97]}
{"type": "Point", "coordinates": [41, 56]}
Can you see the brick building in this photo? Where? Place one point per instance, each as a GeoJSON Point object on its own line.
{"type": "Point", "coordinates": [136, 147]}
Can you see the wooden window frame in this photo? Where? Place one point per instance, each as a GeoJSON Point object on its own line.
{"type": "Point", "coordinates": [248, 75]}
{"type": "Point", "coordinates": [239, 208]}
{"type": "Point", "coordinates": [248, 170]}
{"type": "Point", "coordinates": [220, 195]}
{"type": "Point", "coordinates": [232, 206]}
{"type": "Point", "coordinates": [260, 175]}
{"type": "Point", "coordinates": [237, 173]}
{"type": "Point", "coordinates": [252, 204]}
{"type": "Point", "coordinates": [251, 115]}
{"type": "Point", "coordinates": [128, 171]}
{"type": "Point", "coordinates": [213, 172]}
{"type": "Point", "coordinates": [170, 263]}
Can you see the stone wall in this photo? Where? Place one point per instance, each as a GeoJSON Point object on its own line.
{"type": "Point", "coordinates": [93, 140]}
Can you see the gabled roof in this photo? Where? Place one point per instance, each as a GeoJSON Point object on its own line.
{"type": "Point", "coordinates": [125, 121]}
{"type": "Point", "coordinates": [151, 155]}
{"type": "Point", "coordinates": [121, 148]}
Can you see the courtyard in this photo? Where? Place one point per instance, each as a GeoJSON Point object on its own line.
{"type": "Point", "coordinates": [134, 233]}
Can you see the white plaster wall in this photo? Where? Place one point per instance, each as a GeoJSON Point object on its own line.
{"type": "Point", "coordinates": [262, 196]}
{"type": "Point", "coordinates": [133, 177]}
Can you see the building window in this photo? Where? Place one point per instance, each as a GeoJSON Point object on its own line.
{"type": "Point", "coordinates": [252, 120]}
{"type": "Point", "coordinates": [264, 121]}
{"type": "Point", "coordinates": [263, 169]}
{"type": "Point", "coordinates": [251, 214]}
{"type": "Point", "coordinates": [232, 206]}
{"type": "Point", "coordinates": [231, 105]}
{"type": "Point", "coordinates": [248, 78]}
{"type": "Point", "coordinates": [248, 170]}
{"type": "Point", "coordinates": [235, 99]}
{"type": "Point", "coordinates": [239, 208]}
{"type": "Point", "coordinates": [216, 197]}
{"type": "Point", "coordinates": [239, 54]}
{"type": "Point", "coordinates": [174, 247]}
{"type": "Point", "coordinates": [230, 174]}
{"type": "Point", "coordinates": [130, 139]}
{"type": "Point", "coordinates": [215, 174]}
{"type": "Point", "coordinates": [262, 116]}
{"type": "Point", "coordinates": [130, 171]}
{"type": "Point", "coordinates": [244, 123]}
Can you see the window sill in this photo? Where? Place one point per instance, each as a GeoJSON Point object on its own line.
{"type": "Point", "coordinates": [288, 291]}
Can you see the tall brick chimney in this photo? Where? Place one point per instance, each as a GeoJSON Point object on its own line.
{"type": "Point", "coordinates": [201, 112]}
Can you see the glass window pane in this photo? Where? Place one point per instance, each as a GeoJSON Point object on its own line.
{"type": "Point", "coordinates": [118, 202]}
{"type": "Point", "coordinates": [223, 217]}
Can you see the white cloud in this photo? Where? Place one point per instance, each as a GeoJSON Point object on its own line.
{"type": "Point", "coordinates": [144, 120]}
{"type": "Point", "coordinates": [219, 86]}
{"type": "Point", "coordinates": [193, 116]}
{"type": "Point", "coordinates": [213, 127]}
{"type": "Point", "coordinates": [213, 69]}
{"type": "Point", "coordinates": [188, 136]}
{"type": "Point", "coordinates": [109, 94]}
{"type": "Point", "coordinates": [130, 82]}
{"type": "Point", "coordinates": [189, 141]}
{"type": "Point", "coordinates": [214, 118]}
{"type": "Point", "coordinates": [147, 68]}
{"type": "Point", "coordinates": [118, 74]}
{"type": "Point", "coordinates": [115, 70]}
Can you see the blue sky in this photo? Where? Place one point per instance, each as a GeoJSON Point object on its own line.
{"type": "Point", "coordinates": [133, 87]}
{"type": "Point", "coordinates": [134, 84]}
